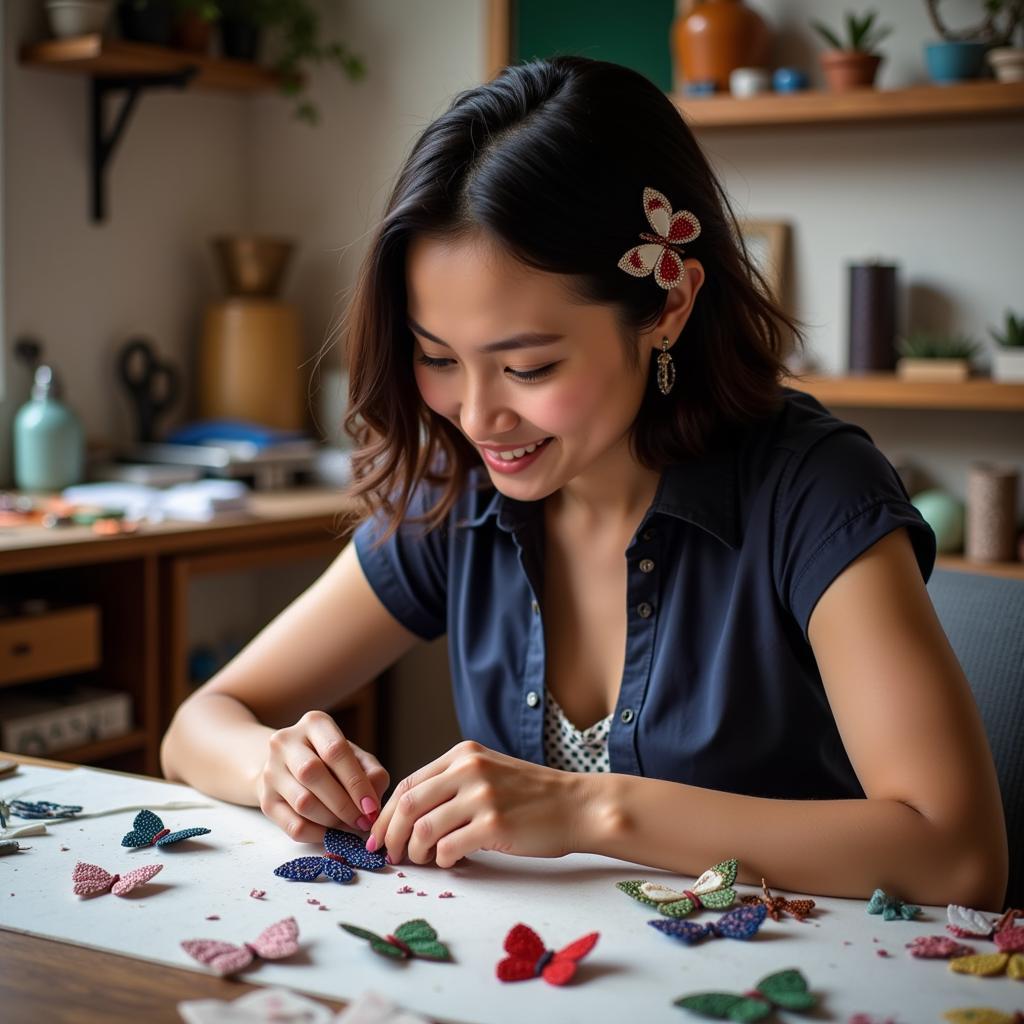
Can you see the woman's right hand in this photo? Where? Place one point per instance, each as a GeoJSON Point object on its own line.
{"type": "Point", "coordinates": [314, 778]}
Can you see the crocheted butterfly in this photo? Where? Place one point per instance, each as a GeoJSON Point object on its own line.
{"type": "Point", "coordinates": [779, 905]}
{"type": "Point", "coordinates": [42, 809]}
{"type": "Point", "coordinates": [92, 880]}
{"type": "Point", "coordinates": [937, 947]}
{"type": "Point", "coordinates": [342, 852]}
{"type": "Point", "coordinates": [412, 939]}
{"type": "Point", "coordinates": [1010, 958]}
{"type": "Point", "coordinates": [973, 924]}
{"type": "Point", "coordinates": [148, 830]}
{"type": "Point", "coordinates": [529, 958]}
{"type": "Point", "coordinates": [658, 253]}
{"type": "Point", "coordinates": [273, 943]}
{"type": "Point", "coordinates": [713, 889]}
{"type": "Point", "coordinates": [983, 1015]}
{"type": "Point", "coordinates": [785, 990]}
{"type": "Point", "coordinates": [741, 923]}
{"type": "Point", "coordinates": [891, 908]}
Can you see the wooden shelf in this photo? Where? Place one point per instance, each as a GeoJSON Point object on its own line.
{"type": "Point", "coordinates": [887, 391]}
{"type": "Point", "coordinates": [99, 57]}
{"type": "Point", "coordinates": [102, 749]}
{"type": "Point", "coordinates": [957, 563]}
{"type": "Point", "coordinates": [861, 106]}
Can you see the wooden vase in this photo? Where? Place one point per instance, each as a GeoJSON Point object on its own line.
{"type": "Point", "coordinates": [717, 36]}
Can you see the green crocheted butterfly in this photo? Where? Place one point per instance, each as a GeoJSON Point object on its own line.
{"type": "Point", "coordinates": [412, 939]}
{"type": "Point", "coordinates": [785, 990]}
{"type": "Point", "coordinates": [713, 889]}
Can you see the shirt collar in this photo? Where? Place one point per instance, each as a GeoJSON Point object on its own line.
{"type": "Point", "coordinates": [702, 491]}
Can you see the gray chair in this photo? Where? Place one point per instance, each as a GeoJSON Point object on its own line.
{"type": "Point", "coordinates": [983, 616]}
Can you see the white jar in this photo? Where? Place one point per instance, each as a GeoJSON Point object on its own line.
{"type": "Point", "coordinates": [744, 82]}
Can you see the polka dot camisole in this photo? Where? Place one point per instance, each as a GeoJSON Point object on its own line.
{"type": "Point", "coordinates": [570, 749]}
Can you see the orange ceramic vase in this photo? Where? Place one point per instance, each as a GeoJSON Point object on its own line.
{"type": "Point", "coordinates": [717, 36]}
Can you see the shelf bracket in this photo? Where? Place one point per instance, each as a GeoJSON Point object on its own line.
{"type": "Point", "coordinates": [103, 142]}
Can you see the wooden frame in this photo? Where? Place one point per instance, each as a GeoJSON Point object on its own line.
{"type": "Point", "coordinates": [767, 243]}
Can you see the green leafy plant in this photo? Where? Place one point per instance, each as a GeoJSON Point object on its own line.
{"type": "Point", "coordinates": [1013, 335]}
{"type": "Point", "coordinates": [862, 35]}
{"type": "Point", "coordinates": [937, 345]}
{"type": "Point", "coordinates": [295, 25]}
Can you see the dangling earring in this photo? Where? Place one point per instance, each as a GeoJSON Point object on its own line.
{"type": "Point", "coordinates": [666, 369]}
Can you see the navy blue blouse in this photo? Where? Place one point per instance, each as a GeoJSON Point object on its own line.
{"type": "Point", "coordinates": [720, 688]}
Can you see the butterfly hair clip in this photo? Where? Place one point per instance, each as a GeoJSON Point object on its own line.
{"type": "Point", "coordinates": [779, 905]}
{"type": "Point", "coordinates": [92, 880]}
{"type": "Point", "coordinates": [528, 957]}
{"type": "Point", "coordinates": [661, 251]}
{"type": "Point", "coordinates": [412, 940]}
{"type": "Point", "coordinates": [741, 923]}
{"type": "Point", "coordinates": [713, 890]}
{"type": "Point", "coordinates": [343, 851]}
{"type": "Point", "coordinates": [785, 990]}
{"type": "Point", "coordinates": [973, 924]}
{"type": "Point", "coordinates": [278, 941]}
{"type": "Point", "coordinates": [149, 830]}
{"type": "Point", "coordinates": [891, 908]}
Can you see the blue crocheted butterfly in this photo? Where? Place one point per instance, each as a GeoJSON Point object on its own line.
{"type": "Point", "coordinates": [343, 852]}
{"type": "Point", "coordinates": [148, 830]}
{"type": "Point", "coordinates": [43, 809]}
{"type": "Point", "coordinates": [741, 923]}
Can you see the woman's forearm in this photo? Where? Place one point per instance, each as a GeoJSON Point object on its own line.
{"type": "Point", "coordinates": [216, 745]}
{"type": "Point", "coordinates": [826, 847]}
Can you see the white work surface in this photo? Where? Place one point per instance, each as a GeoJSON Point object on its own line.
{"type": "Point", "coordinates": [634, 970]}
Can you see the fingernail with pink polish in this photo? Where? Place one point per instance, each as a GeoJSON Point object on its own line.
{"type": "Point", "coordinates": [368, 805]}
{"type": "Point", "coordinates": [363, 823]}
{"type": "Point", "coordinates": [371, 844]}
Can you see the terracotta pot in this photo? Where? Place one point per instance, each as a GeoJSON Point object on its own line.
{"type": "Point", "coordinates": [848, 69]}
{"type": "Point", "coordinates": [716, 37]}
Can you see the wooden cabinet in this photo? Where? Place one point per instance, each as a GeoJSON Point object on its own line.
{"type": "Point", "coordinates": [122, 618]}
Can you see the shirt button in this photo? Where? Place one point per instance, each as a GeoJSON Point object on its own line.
{"type": "Point", "coordinates": [647, 535]}
{"type": "Point", "coordinates": [532, 699]}
{"type": "Point", "coordinates": [626, 716]}
{"type": "Point", "coordinates": [535, 607]}
{"type": "Point", "coordinates": [644, 610]}
{"type": "Point", "coordinates": [646, 565]}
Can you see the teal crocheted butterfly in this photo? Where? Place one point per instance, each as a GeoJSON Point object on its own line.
{"type": "Point", "coordinates": [713, 890]}
{"type": "Point", "coordinates": [412, 939]}
{"type": "Point", "coordinates": [785, 990]}
{"type": "Point", "coordinates": [891, 908]}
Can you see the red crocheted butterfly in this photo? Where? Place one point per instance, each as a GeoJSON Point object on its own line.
{"type": "Point", "coordinates": [92, 880]}
{"type": "Point", "coordinates": [529, 958]}
{"type": "Point", "coordinates": [274, 943]}
{"type": "Point", "coordinates": [659, 251]}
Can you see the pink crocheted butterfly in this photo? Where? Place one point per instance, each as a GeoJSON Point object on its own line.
{"type": "Point", "coordinates": [658, 253]}
{"type": "Point", "coordinates": [92, 880]}
{"type": "Point", "coordinates": [274, 943]}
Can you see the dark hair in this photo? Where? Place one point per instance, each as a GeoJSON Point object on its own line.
{"type": "Point", "coordinates": [549, 160]}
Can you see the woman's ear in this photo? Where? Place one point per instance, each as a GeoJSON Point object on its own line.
{"type": "Point", "coordinates": [678, 305]}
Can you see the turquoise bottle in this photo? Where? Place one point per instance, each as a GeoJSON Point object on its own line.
{"type": "Point", "coordinates": [49, 444]}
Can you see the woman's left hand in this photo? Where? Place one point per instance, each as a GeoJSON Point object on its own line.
{"type": "Point", "coordinates": [473, 798]}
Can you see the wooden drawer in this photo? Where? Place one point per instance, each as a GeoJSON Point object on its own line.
{"type": "Point", "coordinates": [51, 644]}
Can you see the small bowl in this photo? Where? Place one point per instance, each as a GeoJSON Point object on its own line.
{"type": "Point", "coordinates": [70, 18]}
{"type": "Point", "coordinates": [253, 265]}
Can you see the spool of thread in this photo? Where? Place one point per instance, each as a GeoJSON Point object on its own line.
{"type": "Point", "coordinates": [991, 513]}
{"type": "Point", "coordinates": [872, 317]}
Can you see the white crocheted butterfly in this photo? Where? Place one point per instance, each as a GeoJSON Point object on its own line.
{"type": "Point", "coordinates": [658, 253]}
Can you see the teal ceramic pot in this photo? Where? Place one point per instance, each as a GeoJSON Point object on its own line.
{"type": "Point", "coordinates": [954, 62]}
{"type": "Point", "coordinates": [945, 515]}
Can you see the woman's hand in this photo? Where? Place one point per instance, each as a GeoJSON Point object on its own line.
{"type": "Point", "coordinates": [314, 778]}
{"type": "Point", "coordinates": [473, 798]}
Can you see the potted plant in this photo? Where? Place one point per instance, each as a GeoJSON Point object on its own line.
{"type": "Point", "coordinates": [852, 64]}
{"type": "Point", "coordinates": [961, 54]}
{"type": "Point", "coordinates": [1008, 362]}
{"type": "Point", "coordinates": [1007, 61]}
{"type": "Point", "coordinates": [193, 24]}
{"type": "Point", "coordinates": [935, 356]}
{"type": "Point", "coordinates": [70, 18]}
{"type": "Point", "coordinates": [295, 25]}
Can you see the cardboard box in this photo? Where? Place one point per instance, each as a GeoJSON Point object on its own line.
{"type": "Point", "coordinates": [39, 720]}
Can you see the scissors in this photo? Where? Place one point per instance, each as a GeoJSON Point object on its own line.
{"type": "Point", "coordinates": [151, 383]}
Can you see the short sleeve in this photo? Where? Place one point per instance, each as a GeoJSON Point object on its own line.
{"type": "Point", "coordinates": [408, 571]}
{"type": "Point", "coordinates": [834, 502]}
